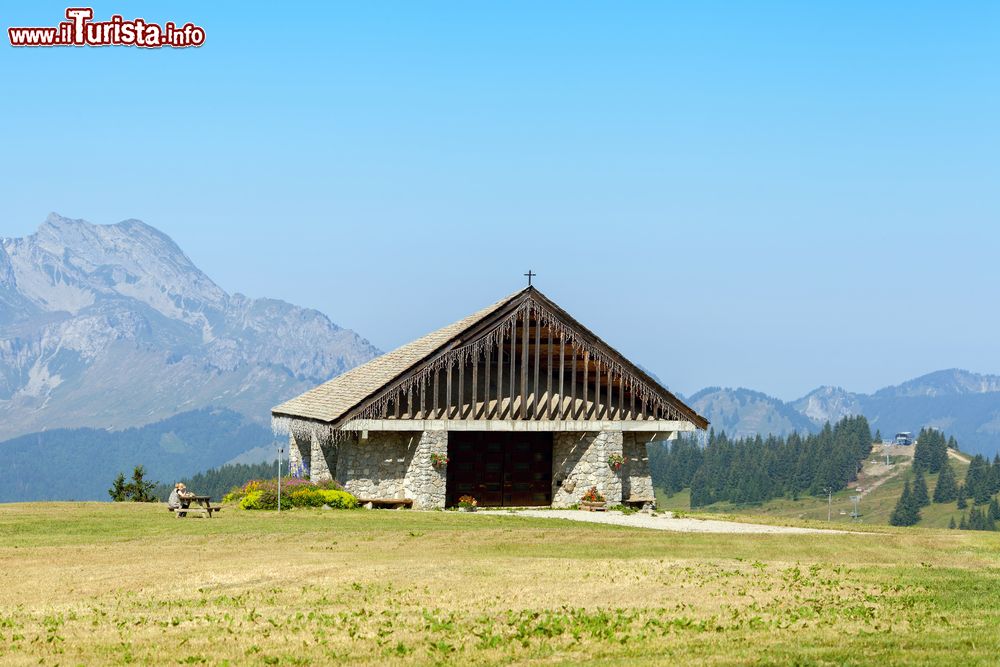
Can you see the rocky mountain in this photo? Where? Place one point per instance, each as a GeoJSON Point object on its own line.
{"type": "Point", "coordinates": [962, 403]}
{"type": "Point", "coordinates": [743, 412]}
{"type": "Point", "coordinates": [112, 326]}
{"type": "Point", "coordinates": [828, 404]}
{"type": "Point", "coordinates": [940, 384]}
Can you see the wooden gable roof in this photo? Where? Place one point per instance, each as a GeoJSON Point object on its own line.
{"type": "Point", "coordinates": [416, 380]}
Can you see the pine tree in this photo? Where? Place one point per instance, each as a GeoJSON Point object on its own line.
{"type": "Point", "coordinates": [963, 524]}
{"type": "Point", "coordinates": [119, 489]}
{"type": "Point", "coordinates": [994, 512]}
{"type": "Point", "coordinates": [878, 436]}
{"type": "Point", "coordinates": [920, 490]}
{"type": "Point", "coordinates": [961, 498]}
{"type": "Point", "coordinates": [946, 489]}
{"type": "Point", "coordinates": [951, 523]}
{"type": "Point", "coordinates": [139, 490]}
{"type": "Point", "coordinates": [906, 512]}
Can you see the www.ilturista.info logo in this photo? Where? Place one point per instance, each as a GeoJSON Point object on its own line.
{"type": "Point", "coordinates": [81, 30]}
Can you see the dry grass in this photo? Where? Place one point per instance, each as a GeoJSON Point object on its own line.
{"type": "Point", "coordinates": [98, 583]}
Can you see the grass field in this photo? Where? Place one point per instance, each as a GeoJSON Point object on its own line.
{"type": "Point", "coordinates": [93, 583]}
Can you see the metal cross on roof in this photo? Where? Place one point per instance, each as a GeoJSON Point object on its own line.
{"type": "Point", "coordinates": [530, 275]}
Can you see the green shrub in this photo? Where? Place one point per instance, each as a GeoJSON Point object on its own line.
{"type": "Point", "coordinates": [252, 500]}
{"type": "Point", "coordinates": [306, 497]}
{"type": "Point", "coordinates": [264, 496]}
{"type": "Point", "coordinates": [340, 500]}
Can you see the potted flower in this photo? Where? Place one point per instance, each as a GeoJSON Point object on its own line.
{"type": "Point", "coordinates": [467, 504]}
{"type": "Point", "coordinates": [616, 461]}
{"type": "Point", "coordinates": [593, 500]}
{"type": "Point", "coordinates": [438, 460]}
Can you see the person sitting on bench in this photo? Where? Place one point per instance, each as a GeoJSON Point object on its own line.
{"type": "Point", "coordinates": [179, 499]}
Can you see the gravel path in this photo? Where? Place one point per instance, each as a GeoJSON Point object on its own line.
{"type": "Point", "coordinates": [667, 522]}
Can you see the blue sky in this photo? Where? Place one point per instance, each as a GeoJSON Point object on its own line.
{"type": "Point", "coordinates": [762, 194]}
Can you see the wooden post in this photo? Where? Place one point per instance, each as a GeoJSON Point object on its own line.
{"type": "Point", "coordinates": [537, 392]}
{"type": "Point", "coordinates": [548, 376]}
{"type": "Point", "coordinates": [586, 372]}
{"type": "Point", "coordinates": [522, 408]}
{"type": "Point", "coordinates": [572, 380]}
{"type": "Point", "coordinates": [460, 404]}
{"type": "Point", "coordinates": [435, 402]}
{"type": "Point", "coordinates": [597, 388]}
{"type": "Point", "coordinates": [423, 396]}
{"type": "Point", "coordinates": [499, 377]}
{"type": "Point", "coordinates": [447, 396]}
{"type": "Point", "coordinates": [474, 410]}
{"type": "Point", "coordinates": [513, 369]}
{"type": "Point", "coordinates": [486, 381]}
{"type": "Point", "coordinates": [562, 369]}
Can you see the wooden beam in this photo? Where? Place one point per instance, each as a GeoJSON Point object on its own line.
{"type": "Point", "coordinates": [499, 377]}
{"type": "Point", "coordinates": [571, 410]}
{"type": "Point", "coordinates": [522, 409]}
{"type": "Point", "coordinates": [586, 384]}
{"type": "Point", "coordinates": [513, 372]}
{"type": "Point", "coordinates": [621, 397]}
{"type": "Point", "coordinates": [537, 393]}
{"type": "Point", "coordinates": [423, 396]}
{"type": "Point", "coordinates": [447, 396]}
{"type": "Point", "coordinates": [475, 382]}
{"type": "Point", "coordinates": [460, 406]}
{"type": "Point", "coordinates": [487, 371]}
{"type": "Point", "coordinates": [435, 402]}
{"type": "Point", "coordinates": [597, 388]}
{"type": "Point", "coordinates": [548, 388]}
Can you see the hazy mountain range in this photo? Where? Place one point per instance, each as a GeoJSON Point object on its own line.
{"type": "Point", "coordinates": [963, 404]}
{"type": "Point", "coordinates": [112, 327]}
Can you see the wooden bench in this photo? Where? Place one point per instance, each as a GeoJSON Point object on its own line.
{"type": "Point", "coordinates": [639, 502]}
{"type": "Point", "coordinates": [202, 504]}
{"type": "Point", "coordinates": [387, 503]}
{"type": "Point", "coordinates": [203, 510]}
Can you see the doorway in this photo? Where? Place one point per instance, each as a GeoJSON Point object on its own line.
{"type": "Point", "coordinates": [500, 469]}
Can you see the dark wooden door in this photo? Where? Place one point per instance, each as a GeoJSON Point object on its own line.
{"type": "Point", "coordinates": [500, 469]}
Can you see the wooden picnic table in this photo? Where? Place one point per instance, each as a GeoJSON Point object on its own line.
{"type": "Point", "coordinates": [198, 503]}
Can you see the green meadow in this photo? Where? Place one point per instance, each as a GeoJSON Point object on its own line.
{"type": "Point", "coordinates": [94, 583]}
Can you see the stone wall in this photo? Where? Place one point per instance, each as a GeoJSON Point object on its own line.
{"type": "Point", "coordinates": [636, 480]}
{"type": "Point", "coordinates": [394, 464]}
{"type": "Point", "coordinates": [423, 482]}
{"type": "Point", "coordinates": [580, 461]}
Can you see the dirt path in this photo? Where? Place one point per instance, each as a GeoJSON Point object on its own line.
{"type": "Point", "coordinates": [667, 522]}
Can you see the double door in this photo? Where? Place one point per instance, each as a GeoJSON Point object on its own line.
{"type": "Point", "coordinates": [500, 469]}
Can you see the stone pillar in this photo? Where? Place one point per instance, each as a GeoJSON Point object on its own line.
{"type": "Point", "coordinates": [580, 461]}
{"type": "Point", "coordinates": [637, 482]}
{"type": "Point", "coordinates": [611, 443]}
{"type": "Point", "coordinates": [319, 464]}
{"type": "Point", "coordinates": [298, 460]}
{"type": "Point", "coordinates": [424, 483]}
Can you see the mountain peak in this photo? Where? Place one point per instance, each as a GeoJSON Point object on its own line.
{"type": "Point", "coordinates": [949, 382]}
{"type": "Point", "coordinates": [94, 316]}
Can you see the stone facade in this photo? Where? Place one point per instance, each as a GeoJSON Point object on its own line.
{"type": "Point", "coordinates": [636, 480]}
{"type": "Point", "coordinates": [386, 464]}
{"type": "Point", "coordinates": [580, 461]}
{"type": "Point", "coordinates": [397, 464]}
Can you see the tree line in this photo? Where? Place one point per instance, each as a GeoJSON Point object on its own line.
{"type": "Point", "coordinates": [981, 485]}
{"type": "Point", "coordinates": [217, 482]}
{"type": "Point", "coordinates": [755, 470]}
